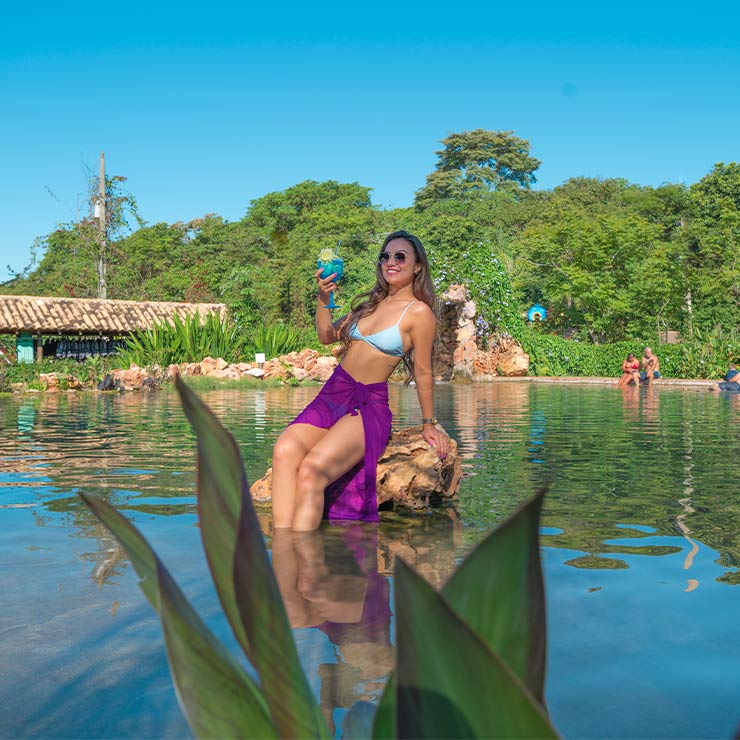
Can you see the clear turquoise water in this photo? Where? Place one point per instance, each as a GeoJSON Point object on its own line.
{"type": "Point", "coordinates": [640, 551]}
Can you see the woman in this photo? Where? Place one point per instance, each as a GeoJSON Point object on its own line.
{"type": "Point", "coordinates": [324, 462]}
{"type": "Point", "coordinates": [630, 371]}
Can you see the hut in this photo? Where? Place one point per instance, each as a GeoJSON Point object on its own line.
{"type": "Point", "coordinates": [80, 327]}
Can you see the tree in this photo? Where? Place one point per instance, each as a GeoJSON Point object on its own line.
{"type": "Point", "coordinates": [713, 236]}
{"type": "Point", "coordinates": [65, 262]}
{"type": "Point", "coordinates": [475, 162]}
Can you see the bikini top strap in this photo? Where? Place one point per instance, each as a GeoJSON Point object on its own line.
{"type": "Point", "coordinates": [404, 311]}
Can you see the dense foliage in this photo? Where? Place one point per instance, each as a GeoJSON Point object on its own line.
{"type": "Point", "coordinates": [612, 261]}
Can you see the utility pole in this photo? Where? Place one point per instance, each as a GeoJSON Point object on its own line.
{"type": "Point", "coordinates": [103, 235]}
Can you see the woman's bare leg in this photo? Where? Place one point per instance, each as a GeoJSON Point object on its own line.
{"type": "Point", "coordinates": [290, 449]}
{"type": "Point", "coordinates": [340, 449]}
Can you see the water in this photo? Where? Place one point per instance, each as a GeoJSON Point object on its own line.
{"type": "Point", "coordinates": [640, 552]}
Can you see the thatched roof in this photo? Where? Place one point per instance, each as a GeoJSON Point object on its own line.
{"type": "Point", "coordinates": [90, 315]}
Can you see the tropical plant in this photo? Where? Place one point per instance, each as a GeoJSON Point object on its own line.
{"type": "Point", "coordinates": [483, 675]}
{"type": "Point", "coordinates": [276, 339]}
{"type": "Point", "coordinates": [184, 340]}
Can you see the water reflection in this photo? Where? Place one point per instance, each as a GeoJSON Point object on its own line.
{"type": "Point", "coordinates": [329, 580]}
{"type": "Point", "coordinates": [642, 515]}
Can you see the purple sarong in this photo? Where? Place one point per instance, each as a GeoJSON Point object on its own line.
{"type": "Point", "coordinates": [353, 495]}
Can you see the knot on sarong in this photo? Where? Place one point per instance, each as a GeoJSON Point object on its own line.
{"type": "Point", "coordinates": [360, 397]}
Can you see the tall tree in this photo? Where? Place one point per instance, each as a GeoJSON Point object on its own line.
{"type": "Point", "coordinates": [475, 162]}
{"type": "Point", "coordinates": [714, 247]}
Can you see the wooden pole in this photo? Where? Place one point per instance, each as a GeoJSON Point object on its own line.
{"type": "Point", "coordinates": [102, 285]}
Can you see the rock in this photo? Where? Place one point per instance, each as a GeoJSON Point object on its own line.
{"type": "Point", "coordinates": [466, 332]}
{"type": "Point", "coordinates": [221, 364]}
{"type": "Point", "coordinates": [74, 384]}
{"type": "Point", "coordinates": [232, 372]}
{"type": "Point", "coordinates": [108, 383]}
{"type": "Point", "coordinates": [49, 381]}
{"type": "Point", "coordinates": [456, 294]}
{"type": "Point", "coordinates": [173, 371]}
{"type": "Point", "coordinates": [410, 476]}
{"type": "Point", "coordinates": [191, 368]}
{"type": "Point", "coordinates": [207, 365]}
{"type": "Point", "coordinates": [304, 359]}
{"type": "Point", "coordinates": [513, 362]}
{"type": "Point", "coordinates": [274, 369]}
{"type": "Point", "coordinates": [243, 367]}
{"type": "Point", "coordinates": [323, 368]}
{"type": "Point", "coordinates": [469, 310]}
{"type": "Point", "coordinates": [255, 372]}
{"type": "Point", "coordinates": [462, 372]}
{"type": "Point", "coordinates": [300, 374]}
{"type": "Point", "coordinates": [130, 379]}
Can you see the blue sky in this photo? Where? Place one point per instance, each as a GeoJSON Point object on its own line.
{"type": "Point", "coordinates": [204, 107]}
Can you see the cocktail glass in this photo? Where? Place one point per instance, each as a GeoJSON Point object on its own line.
{"type": "Point", "coordinates": [329, 262]}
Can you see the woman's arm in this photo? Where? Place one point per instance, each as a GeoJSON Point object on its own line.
{"type": "Point", "coordinates": [422, 332]}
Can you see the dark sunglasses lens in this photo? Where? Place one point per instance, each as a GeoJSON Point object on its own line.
{"type": "Point", "coordinates": [400, 257]}
{"type": "Point", "coordinates": [383, 257]}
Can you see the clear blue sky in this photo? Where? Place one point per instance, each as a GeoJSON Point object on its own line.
{"type": "Point", "coordinates": [207, 106]}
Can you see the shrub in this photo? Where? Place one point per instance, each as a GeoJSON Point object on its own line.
{"type": "Point", "coordinates": [184, 340]}
{"type": "Point", "coordinates": [705, 356]}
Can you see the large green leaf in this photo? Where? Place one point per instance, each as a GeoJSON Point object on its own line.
{"type": "Point", "coordinates": [449, 683]}
{"type": "Point", "coordinates": [218, 697]}
{"type": "Point", "coordinates": [221, 486]}
{"type": "Point", "coordinates": [498, 592]}
{"type": "Point", "coordinates": [243, 574]}
{"type": "Point", "coordinates": [292, 704]}
{"type": "Point", "coordinates": [384, 724]}
{"type": "Point", "coordinates": [505, 606]}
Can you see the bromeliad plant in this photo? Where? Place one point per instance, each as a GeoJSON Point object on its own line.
{"type": "Point", "coordinates": [184, 340]}
{"type": "Point", "coordinates": [470, 659]}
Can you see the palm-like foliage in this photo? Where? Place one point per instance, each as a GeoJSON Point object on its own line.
{"type": "Point", "coordinates": [184, 340]}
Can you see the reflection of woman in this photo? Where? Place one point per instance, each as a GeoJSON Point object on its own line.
{"type": "Point", "coordinates": [630, 371]}
{"type": "Point", "coordinates": [324, 462]}
{"type": "Point", "coordinates": [329, 580]}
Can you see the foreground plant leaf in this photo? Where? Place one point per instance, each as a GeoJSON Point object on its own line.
{"type": "Point", "coordinates": [384, 724]}
{"type": "Point", "coordinates": [221, 483]}
{"type": "Point", "coordinates": [449, 683]}
{"type": "Point", "coordinates": [243, 575]}
{"type": "Point", "coordinates": [498, 592]}
{"type": "Point", "coordinates": [216, 694]}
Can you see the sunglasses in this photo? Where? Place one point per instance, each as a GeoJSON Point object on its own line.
{"type": "Point", "coordinates": [398, 257]}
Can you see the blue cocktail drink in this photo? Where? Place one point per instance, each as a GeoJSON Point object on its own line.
{"type": "Point", "coordinates": [330, 263]}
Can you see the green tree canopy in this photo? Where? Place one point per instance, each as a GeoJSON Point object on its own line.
{"type": "Point", "coordinates": [475, 162]}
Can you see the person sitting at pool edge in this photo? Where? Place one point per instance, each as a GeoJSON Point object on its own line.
{"type": "Point", "coordinates": [731, 381]}
{"type": "Point", "coordinates": [630, 371]}
{"type": "Point", "coordinates": [650, 367]}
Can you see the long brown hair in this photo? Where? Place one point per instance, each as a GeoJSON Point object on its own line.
{"type": "Point", "coordinates": [366, 303]}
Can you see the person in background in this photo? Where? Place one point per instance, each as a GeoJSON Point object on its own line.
{"type": "Point", "coordinates": [630, 371]}
{"type": "Point", "coordinates": [650, 367]}
{"type": "Point", "coordinates": [731, 381]}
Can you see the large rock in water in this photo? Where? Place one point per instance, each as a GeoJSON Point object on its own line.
{"type": "Point", "coordinates": [410, 475]}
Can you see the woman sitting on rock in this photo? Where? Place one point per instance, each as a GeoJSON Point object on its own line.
{"type": "Point", "coordinates": [323, 464]}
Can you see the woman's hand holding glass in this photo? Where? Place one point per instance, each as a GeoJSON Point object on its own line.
{"type": "Point", "coordinates": [326, 285]}
{"type": "Point", "coordinates": [331, 266]}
